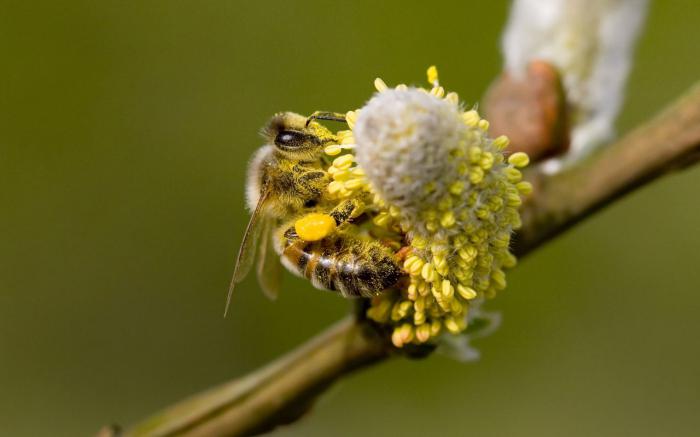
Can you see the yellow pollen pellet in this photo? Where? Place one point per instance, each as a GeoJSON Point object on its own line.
{"type": "Point", "coordinates": [343, 162]}
{"type": "Point", "coordinates": [333, 149]}
{"type": "Point", "coordinates": [314, 226]}
{"type": "Point", "coordinates": [519, 159]}
{"type": "Point", "coordinates": [467, 293]}
{"type": "Point", "coordinates": [432, 75]}
{"type": "Point", "coordinates": [380, 85]}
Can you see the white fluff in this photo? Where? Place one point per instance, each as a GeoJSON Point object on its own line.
{"type": "Point", "coordinates": [592, 43]}
{"type": "Point", "coordinates": [404, 139]}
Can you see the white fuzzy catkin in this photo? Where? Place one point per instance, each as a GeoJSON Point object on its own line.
{"type": "Point", "coordinates": [404, 139]}
{"type": "Point", "coordinates": [591, 42]}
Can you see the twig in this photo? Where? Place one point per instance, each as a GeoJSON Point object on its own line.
{"type": "Point", "coordinates": [282, 391]}
{"type": "Point", "coordinates": [278, 393]}
{"type": "Point", "coordinates": [669, 141]}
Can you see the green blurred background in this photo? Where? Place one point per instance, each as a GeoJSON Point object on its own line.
{"type": "Point", "coordinates": [125, 128]}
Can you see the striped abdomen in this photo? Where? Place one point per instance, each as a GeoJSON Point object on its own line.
{"type": "Point", "coordinates": [341, 263]}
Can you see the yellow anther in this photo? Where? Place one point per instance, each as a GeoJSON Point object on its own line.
{"type": "Point", "coordinates": [452, 97]}
{"type": "Point", "coordinates": [438, 91]}
{"type": "Point", "coordinates": [467, 293]}
{"type": "Point", "coordinates": [335, 187]}
{"type": "Point", "coordinates": [475, 154]}
{"type": "Point", "coordinates": [401, 87]}
{"type": "Point", "coordinates": [524, 187]}
{"type": "Point", "coordinates": [428, 272]}
{"type": "Point", "coordinates": [476, 175]}
{"type": "Point", "coordinates": [435, 328]}
{"type": "Point", "coordinates": [351, 118]}
{"type": "Point", "coordinates": [486, 161]}
{"type": "Point", "coordinates": [343, 162]}
{"type": "Point", "coordinates": [471, 118]}
{"type": "Point", "coordinates": [484, 125]}
{"type": "Point", "coordinates": [513, 200]}
{"type": "Point", "coordinates": [447, 220]}
{"type": "Point", "coordinates": [447, 289]}
{"type": "Point", "coordinates": [513, 175]}
{"type": "Point", "coordinates": [457, 188]}
{"type": "Point", "coordinates": [452, 325]}
{"type": "Point", "coordinates": [380, 85]}
{"type": "Point", "coordinates": [423, 333]}
{"type": "Point", "coordinates": [501, 142]}
{"type": "Point", "coordinates": [333, 149]}
{"type": "Point", "coordinates": [314, 226]}
{"type": "Point", "coordinates": [432, 75]}
{"type": "Point", "coordinates": [353, 184]}
{"type": "Point", "coordinates": [382, 219]}
{"type": "Point", "coordinates": [519, 159]}
{"type": "Point", "coordinates": [341, 175]}
{"type": "Point", "coordinates": [357, 171]}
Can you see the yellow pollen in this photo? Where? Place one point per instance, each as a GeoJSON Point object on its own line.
{"type": "Point", "coordinates": [314, 226]}
{"type": "Point", "coordinates": [332, 150]}
{"type": "Point", "coordinates": [519, 159]}
{"type": "Point", "coordinates": [432, 75]}
{"type": "Point", "coordinates": [380, 85]}
{"type": "Point", "coordinates": [343, 162]}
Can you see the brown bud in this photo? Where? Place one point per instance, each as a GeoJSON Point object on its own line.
{"type": "Point", "coordinates": [530, 110]}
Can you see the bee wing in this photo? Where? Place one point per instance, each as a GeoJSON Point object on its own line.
{"type": "Point", "coordinates": [246, 254]}
{"type": "Point", "coordinates": [269, 268]}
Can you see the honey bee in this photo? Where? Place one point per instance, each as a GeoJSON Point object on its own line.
{"type": "Point", "coordinates": [286, 182]}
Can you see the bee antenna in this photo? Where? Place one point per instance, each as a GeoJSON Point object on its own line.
{"type": "Point", "coordinates": [325, 115]}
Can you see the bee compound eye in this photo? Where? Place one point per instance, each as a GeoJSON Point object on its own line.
{"type": "Point", "coordinates": [290, 138]}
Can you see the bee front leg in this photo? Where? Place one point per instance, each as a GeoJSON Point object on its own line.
{"type": "Point", "coordinates": [347, 209]}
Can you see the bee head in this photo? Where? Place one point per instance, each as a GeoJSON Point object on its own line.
{"type": "Point", "coordinates": [297, 137]}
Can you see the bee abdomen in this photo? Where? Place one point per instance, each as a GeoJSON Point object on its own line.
{"type": "Point", "coordinates": [345, 265]}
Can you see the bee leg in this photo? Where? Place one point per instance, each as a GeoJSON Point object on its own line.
{"type": "Point", "coordinates": [325, 115]}
{"type": "Point", "coordinates": [312, 184]}
{"type": "Point", "coordinates": [347, 209]}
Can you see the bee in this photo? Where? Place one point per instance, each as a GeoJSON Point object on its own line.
{"type": "Point", "coordinates": [287, 182]}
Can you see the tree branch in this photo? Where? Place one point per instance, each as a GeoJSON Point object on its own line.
{"type": "Point", "coordinates": [283, 390]}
